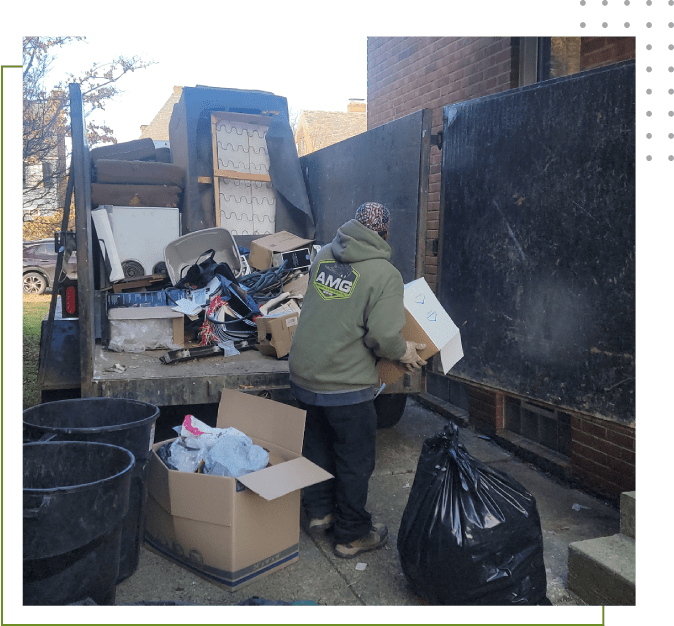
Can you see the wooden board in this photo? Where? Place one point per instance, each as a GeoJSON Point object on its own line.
{"type": "Point", "coordinates": [263, 178]}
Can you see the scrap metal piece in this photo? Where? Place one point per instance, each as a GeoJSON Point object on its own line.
{"type": "Point", "coordinates": [187, 354]}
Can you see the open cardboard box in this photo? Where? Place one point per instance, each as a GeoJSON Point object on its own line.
{"type": "Point", "coordinates": [275, 333]}
{"type": "Point", "coordinates": [262, 250]}
{"type": "Point", "coordinates": [427, 322]}
{"type": "Point", "coordinates": [234, 531]}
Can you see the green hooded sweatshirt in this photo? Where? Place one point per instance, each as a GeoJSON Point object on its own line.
{"type": "Point", "coordinates": [352, 314]}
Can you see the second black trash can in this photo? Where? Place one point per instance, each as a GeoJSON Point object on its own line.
{"type": "Point", "coordinates": [129, 424]}
{"type": "Point", "coordinates": [75, 499]}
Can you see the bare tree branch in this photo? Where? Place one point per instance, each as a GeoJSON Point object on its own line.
{"type": "Point", "coordinates": [46, 119]}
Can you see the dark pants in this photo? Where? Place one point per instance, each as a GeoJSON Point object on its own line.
{"type": "Point", "coordinates": [341, 440]}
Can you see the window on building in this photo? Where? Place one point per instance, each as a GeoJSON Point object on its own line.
{"type": "Point", "coordinates": [543, 58]}
{"type": "Point", "coordinates": [559, 56]}
{"type": "Point", "coordinates": [47, 175]}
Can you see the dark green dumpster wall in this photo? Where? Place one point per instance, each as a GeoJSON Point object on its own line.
{"type": "Point", "coordinates": [538, 240]}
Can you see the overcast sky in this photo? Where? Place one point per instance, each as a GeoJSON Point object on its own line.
{"type": "Point", "coordinates": [314, 72]}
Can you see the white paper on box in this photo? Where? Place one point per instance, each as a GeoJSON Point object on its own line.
{"type": "Point", "coordinates": [421, 302]}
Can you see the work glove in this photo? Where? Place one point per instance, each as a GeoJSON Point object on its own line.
{"type": "Point", "coordinates": [411, 359]}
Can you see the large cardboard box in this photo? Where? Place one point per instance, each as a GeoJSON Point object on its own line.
{"type": "Point", "coordinates": [234, 531]}
{"type": "Point", "coordinates": [275, 333]}
{"type": "Point", "coordinates": [262, 250]}
{"type": "Point", "coordinates": [427, 322]}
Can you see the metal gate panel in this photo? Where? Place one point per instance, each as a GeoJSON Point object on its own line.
{"type": "Point", "coordinates": [537, 249]}
{"type": "Point", "coordinates": [388, 164]}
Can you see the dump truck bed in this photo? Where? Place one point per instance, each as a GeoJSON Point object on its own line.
{"type": "Point", "coordinates": [142, 376]}
{"type": "Point", "coordinates": [389, 163]}
{"type": "Point", "coordinates": [197, 381]}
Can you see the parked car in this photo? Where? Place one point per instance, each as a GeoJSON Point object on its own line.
{"type": "Point", "coordinates": [39, 266]}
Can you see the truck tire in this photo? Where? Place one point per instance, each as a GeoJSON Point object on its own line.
{"type": "Point", "coordinates": [390, 408]}
{"type": "Point", "coordinates": [34, 283]}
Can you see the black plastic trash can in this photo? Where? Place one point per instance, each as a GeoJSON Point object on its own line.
{"type": "Point", "coordinates": [75, 499]}
{"type": "Point", "coordinates": [121, 422]}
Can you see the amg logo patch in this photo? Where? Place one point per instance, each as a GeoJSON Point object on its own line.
{"type": "Point", "coordinates": [335, 280]}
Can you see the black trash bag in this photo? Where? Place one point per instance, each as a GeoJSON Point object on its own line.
{"type": "Point", "coordinates": [470, 534]}
{"type": "Point", "coordinates": [199, 274]}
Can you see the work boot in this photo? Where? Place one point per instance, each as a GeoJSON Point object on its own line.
{"type": "Point", "coordinates": [320, 525]}
{"type": "Point", "coordinates": [376, 538]}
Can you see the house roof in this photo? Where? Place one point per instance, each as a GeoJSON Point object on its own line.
{"type": "Point", "coordinates": [158, 128]}
{"type": "Point", "coordinates": [329, 127]}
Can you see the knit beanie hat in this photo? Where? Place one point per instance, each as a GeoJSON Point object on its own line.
{"type": "Point", "coordinates": [375, 216]}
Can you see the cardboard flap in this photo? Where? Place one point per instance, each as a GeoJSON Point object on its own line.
{"type": "Point", "coordinates": [282, 241]}
{"type": "Point", "coordinates": [208, 500]}
{"type": "Point", "coordinates": [424, 307]}
{"type": "Point", "coordinates": [279, 480]}
{"type": "Point", "coordinates": [176, 493]}
{"type": "Point", "coordinates": [262, 419]}
{"type": "Point", "coordinates": [451, 353]}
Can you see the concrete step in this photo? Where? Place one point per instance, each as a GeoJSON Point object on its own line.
{"type": "Point", "coordinates": [602, 570]}
{"type": "Point", "coordinates": [628, 505]}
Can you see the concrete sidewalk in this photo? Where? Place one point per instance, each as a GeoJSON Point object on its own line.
{"type": "Point", "coordinates": [567, 515]}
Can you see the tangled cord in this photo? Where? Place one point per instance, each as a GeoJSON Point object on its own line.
{"type": "Point", "coordinates": [261, 286]}
{"type": "Point", "coordinates": [214, 330]}
{"type": "Point", "coordinates": [265, 285]}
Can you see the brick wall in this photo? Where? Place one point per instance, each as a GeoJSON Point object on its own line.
{"type": "Point", "coordinates": [486, 409]}
{"type": "Point", "coordinates": [405, 74]}
{"type": "Point", "coordinates": [603, 454]}
{"type": "Point", "coordinates": [600, 51]}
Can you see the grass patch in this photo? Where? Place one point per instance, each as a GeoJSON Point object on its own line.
{"type": "Point", "coordinates": [34, 310]}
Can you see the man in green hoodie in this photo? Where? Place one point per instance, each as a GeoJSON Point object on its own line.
{"type": "Point", "coordinates": [352, 315]}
